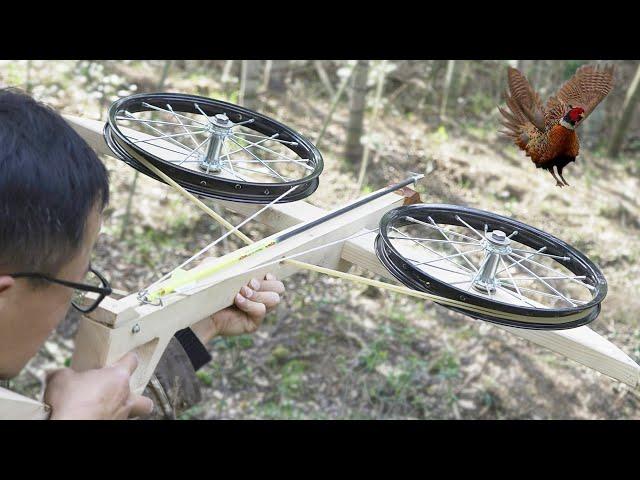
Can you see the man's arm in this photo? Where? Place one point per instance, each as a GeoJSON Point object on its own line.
{"type": "Point", "coordinates": [177, 387]}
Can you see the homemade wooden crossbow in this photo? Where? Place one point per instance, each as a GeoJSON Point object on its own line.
{"type": "Point", "coordinates": [486, 266]}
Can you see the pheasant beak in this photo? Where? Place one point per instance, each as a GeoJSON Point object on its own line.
{"type": "Point", "coordinates": [581, 115]}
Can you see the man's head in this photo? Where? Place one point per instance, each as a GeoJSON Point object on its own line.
{"type": "Point", "coordinates": [53, 189]}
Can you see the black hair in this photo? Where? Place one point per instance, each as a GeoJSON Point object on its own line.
{"type": "Point", "coordinates": [50, 180]}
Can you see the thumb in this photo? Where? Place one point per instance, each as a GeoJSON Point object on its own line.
{"type": "Point", "coordinates": [129, 362]}
{"type": "Point", "coordinates": [140, 406]}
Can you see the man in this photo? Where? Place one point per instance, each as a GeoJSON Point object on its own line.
{"type": "Point", "coordinates": [53, 189]}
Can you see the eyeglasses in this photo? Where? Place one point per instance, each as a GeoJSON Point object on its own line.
{"type": "Point", "coordinates": [82, 300]}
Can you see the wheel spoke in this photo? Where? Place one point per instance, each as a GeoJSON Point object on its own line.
{"type": "Point", "coordinates": [280, 155]}
{"type": "Point", "coordinates": [251, 120]}
{"type": "Point", "coordinates": [465, 272]}
{"type": "Point", "coordinates": [226, 154]}
{"type": "Point", "coordinates": [182, 124]}
{"type": "Point", "coordinates": [245, 160]}
{"type": "Point", "coordinates": [433, 251]}
{"type": "Point", "coordinates": [274, 161]}
{"type": "Point", "coordinates": [233, 173]}
{"type": "Point", "coordinates": [203, 114]}
{"type": "Point", "coordinates": [589, 287]}
{"type": "Point", "coordinates": [174, 135]}
{"type": "Point", "coordinates": [538, 253]}
{"type": "Point", "coordinates": [469, 226]}
{"type": "Point", "coordinates": [286, 142]}
{"type": "Point", "coordinates": [549, 278]}
{"type": "Point", "coordinates": [545, 283]}
{"type": "Point", "coordinates": [197, 149]}
{"type": "Point", "coordinates": [519, 296]}
{"type": "Point", "coordinates": [163, 147]}
{"type": "Point", "coordinates": [159, 122]}
{"type": "Point", "coordinates": [257, 158]}
{"type": "Point", "coordinates": [452, 244]}
{"type": "Point", "coordinates": [420, 239]}
{"type": "Point", "coordinates": [411, 219]}
{"type": "Point", "coordinates": [448, 256]}
{"type": "Point", "coordinates": [544, 294]}
{"type": "Point", "coordinates": [250, 145]}
{"type": "Point", "coordinates": [167, 111]}
{"type": "Point", "coordinates": [518, 262]}
{"type": "Point", "coordinates": [513, 282]}
{"type": "Point", "coordinates": [157, 131]}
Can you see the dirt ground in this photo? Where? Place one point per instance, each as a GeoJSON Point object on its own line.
{"type": "Point", "coordinates": [334, 350]}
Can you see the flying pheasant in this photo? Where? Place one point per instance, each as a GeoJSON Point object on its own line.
{"type": "Point", "coordinates": [548, 133]}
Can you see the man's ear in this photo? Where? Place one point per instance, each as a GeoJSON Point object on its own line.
{"type": "Point", "coordinates": [6, 282]}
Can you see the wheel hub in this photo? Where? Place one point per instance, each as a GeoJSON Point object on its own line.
{"type": "Point", "coordinates": [496, 245]}
{"type": "Point", "coordinates": [218, 129]}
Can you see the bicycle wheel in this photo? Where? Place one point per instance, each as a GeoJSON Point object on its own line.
{"type": "Point", "coordinates": [213, 148]}
{"type": "Point", "coordinates": [506, 271]}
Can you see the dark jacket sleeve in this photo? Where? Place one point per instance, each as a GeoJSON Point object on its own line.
{"type": "Point", "coordinates": [194, 348]}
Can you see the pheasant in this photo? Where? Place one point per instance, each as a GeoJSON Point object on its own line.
{"type": "Point", "coordinates": [548, 133]}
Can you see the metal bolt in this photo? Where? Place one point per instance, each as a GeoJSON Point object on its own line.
{"type": "Point", "coordinates": [499, 235]}
{"type": "Point", "coordinates": [135, 328]}
{"type": "Point", "coordinates": [222, 118]}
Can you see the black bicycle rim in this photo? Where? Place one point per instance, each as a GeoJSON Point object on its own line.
{"type": "Point", "coordinates": [205, 184]}
{"type": "Point", "coordinates": [533, 318]}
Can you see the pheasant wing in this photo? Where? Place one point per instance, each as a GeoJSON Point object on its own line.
{"type": "Point", "coordinates": [587, 88]}
{"type": "Point", "coordinates": [526, 98]}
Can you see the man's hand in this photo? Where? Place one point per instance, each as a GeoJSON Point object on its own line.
{"type": "Point", "coordinates": [251, 304]}
{"type": "Point", "coordinates": [101, 394]}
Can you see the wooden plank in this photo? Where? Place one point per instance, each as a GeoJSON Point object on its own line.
{"type": "Point", "coordinates": [19, 407]}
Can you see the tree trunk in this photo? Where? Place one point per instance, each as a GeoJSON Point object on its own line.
{"type": "Point", "coordinates": [630, 102]}
{"type": "Point", "coordinates": [226, 71]}
{"type": "Point", "coordinates": [249, 83]}
{"type": "Point", "coordinates": [134, 182]}
{"type": "Point", "coordinates": [279, 69]}
{"type": "Point", "coordinates": [324, 78]}
{"type": "Point", "coordinates": [464, 76]}
{"type": "Point", "coordinates": [374, 117]}
{"type": "Point", "coordinates": [354, 149]}
{"type": "Point", "coordinates": [334, 104]}
{"type": "Point", "coordinates": [447, 87]}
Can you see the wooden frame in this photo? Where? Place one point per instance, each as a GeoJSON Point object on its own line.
{"type": "Point", "coordinates": [119, 326]}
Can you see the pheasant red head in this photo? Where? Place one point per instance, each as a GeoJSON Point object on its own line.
{"type": "Point", "coordinates": [574, 115]}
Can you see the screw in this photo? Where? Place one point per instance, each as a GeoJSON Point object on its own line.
{"type": "Point", "coordinates": [222, 118]}
{"type": "Point", "coordinates": [498, 235]}
{"type": "Point", "coordinates": [135, 328]}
